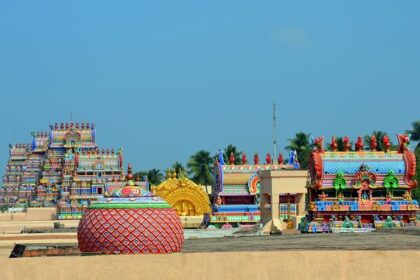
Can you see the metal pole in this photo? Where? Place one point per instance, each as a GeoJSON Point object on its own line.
{"type": "Point", "coordinates": [274, 132]}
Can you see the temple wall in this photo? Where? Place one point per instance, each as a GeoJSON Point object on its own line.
{"type": "Point", "coordinates": [32, 214]}
{"type": "Point", "coordinates": [41, 214]}
{"type": "Point", "coordinates": [220, 265]}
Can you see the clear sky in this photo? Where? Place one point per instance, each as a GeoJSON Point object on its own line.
{"type": "Point", "coordinates": [164, 79]}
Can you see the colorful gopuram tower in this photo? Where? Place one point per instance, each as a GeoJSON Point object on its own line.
{"type": "Point", "coordinates": [63, 167]}
{"type": "Point", "coordinates": [13, 177]}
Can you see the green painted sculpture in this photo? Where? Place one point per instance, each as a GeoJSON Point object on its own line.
{"type": "Point", "coordinates": [389, 223]}
{"type": "Point", "coordinates": [347, 223]}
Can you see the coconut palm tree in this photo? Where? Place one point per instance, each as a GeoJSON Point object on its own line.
{"type": "Point", "coordinates": [141, 175]}
{"type": "Point", "coordinates": [200, 167]}
{"type": "Point", "coordinates": [179, 168]}
{"type": "Point", "coordinates": [155, 176]}
{"type": "Point", "coordinates": [232, 149]}
{"type": "Point", "coordinates": [415, 132]}
{"type": "Point", "coordinates": [302, 146]}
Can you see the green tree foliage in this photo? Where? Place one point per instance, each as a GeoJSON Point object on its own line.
{"type": "Point", "coordinates": [379, 136]}
{"type": "Point", "coordinates": [415, 132]}
{"type": "Point", "coordinates": [232, 149]}
{"type": "Point", "coordinates": [154, 176]}
{"type": "Point", "coordinates": [179, 169]}
{"type": "Point", "coordinates": [200, 167]}
{"type": "Point", "coordinates": [302, 146]}
{"type": "Point", "coordinates": [140, 174]}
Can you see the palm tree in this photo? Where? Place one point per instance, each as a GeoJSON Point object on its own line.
{"type": "Point", "coordinates": [200, 167]}
{"type": "Point", "coordinates": [155, 176]}
{"type": "Point", "coordinates": [379, 136]}
{"type": "Point", "coordinates": [232, 149]}
{"type": "Point", "coordinates": [415, 132]}
{"type": "Point", "coordinates": [178, 168]}
{"type": "Point", "coordinates": [301, 145]}
{"type": "Point", "coordinates": [141, 175]}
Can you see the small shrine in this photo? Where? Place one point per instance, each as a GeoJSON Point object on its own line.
{"type": "Point", "coordinates": [130, 220]}
{"type": "Point", "coordinates": [236, 187]}
{"type": "Point", "coordinates": [366, 188]}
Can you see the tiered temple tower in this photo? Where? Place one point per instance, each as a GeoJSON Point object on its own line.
{"type": "Point", "coordinates": [62, 168]}
{"type": "Point", "coordinates": [13, 177]}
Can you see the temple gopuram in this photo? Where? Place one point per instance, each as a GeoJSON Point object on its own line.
{"type": "Point", "coordinates": [63, 167]}
{"type": "Point", "coordinates": [236, 189]}
{"type": "Point", "coordinates": [361, 189]}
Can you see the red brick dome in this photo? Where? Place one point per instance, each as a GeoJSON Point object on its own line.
{"type": "Point", "coordinates": [138, 225]}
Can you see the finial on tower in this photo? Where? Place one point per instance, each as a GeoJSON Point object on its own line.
{"type": "Point", "coordinates": [130, 175]}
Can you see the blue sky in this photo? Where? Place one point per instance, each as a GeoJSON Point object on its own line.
{"type": "Point", "coordinates": [164, 79]}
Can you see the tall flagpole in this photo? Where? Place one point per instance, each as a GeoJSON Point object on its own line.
{"type": "Point", "coordinates": [274, 132]}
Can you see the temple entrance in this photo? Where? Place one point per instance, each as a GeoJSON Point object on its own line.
{"type": "Point", "coordinates": [287, 206]}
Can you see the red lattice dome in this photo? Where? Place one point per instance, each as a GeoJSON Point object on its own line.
{"type": "Point", "coordinates": [141, 225]}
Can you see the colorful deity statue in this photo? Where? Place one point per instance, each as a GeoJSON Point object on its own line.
{"type": "Point", "coordinates": [403, 142]}
{"type": "Point", "coordinates": [302, 226]}
{"type": "Point", "coordinates": [386, 143]}
{"type": "Point", "coordinates": [220, 158]}
{"type": "Point", "coordinates": [347, 223]}
{"type": "Point", "coordinates": [319, 143]}
{"type": "Point", "coordinates": [388, 199]}
{"type": "Point", "coordinates": [389, 223]}
{"type": "Point", "coordinates": [244, 159]}
{"type": "Point", "coordinates": [340, 198]}
{"type": "Point", "coordinates": [232, 158]}
{"type": "Point", "coordinates": [280, 159]}
{"type": "Point", "coordinates": [333, 144]}
{"type": "Point", "coordinates": [219, 201]}
{"type": "Point", "coordinates": [322, 196]}
{"type": "Point", "coordinates": [359, 144]}
{"type": "Point", "coordinates": [407, 196]}
{"type": "Point", "coordinates": [373, 143]}
{"type": "Point", "coordinates": [256, 159]}
{"type": "Point", "coordinates": [365, 196]}
{"type": "Point", "coordinates": [268, 158]}
{"type": "Point", "coordinates": [346, 144]}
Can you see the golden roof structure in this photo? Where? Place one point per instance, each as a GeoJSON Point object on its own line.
{"type": "Point", "coordinates": [184, 195]}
